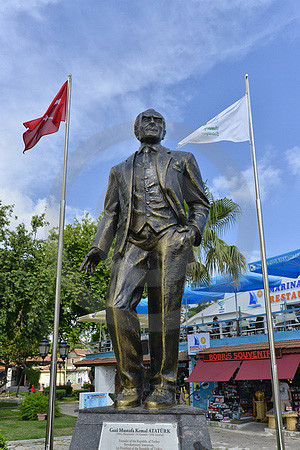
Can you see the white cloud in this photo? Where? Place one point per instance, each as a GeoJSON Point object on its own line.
{"type": "Point", "coordinates": [240, 185]}
{"type": "Point", "coordinates": [185, 41]}
{"type": "Point", "coordinates": [124, 57]}
{"type": "Point", "coordinates": [120, 56]}
{"type": "Point", "coordinates": [12, 7]}
{"type": "Point", "coordinates": [293, 159]}
{"type": "Point", "coordinates": [25, 208]}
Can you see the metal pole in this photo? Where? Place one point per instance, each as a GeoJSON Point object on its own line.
{"type": "Point", "coordinates": [274, 371]}
{"type": "Point", "coordinates": [237, 314]}
{"type": "Point", "coordinates": [53, 369]}
{"type": "Point", "coordinates": [186, 318]}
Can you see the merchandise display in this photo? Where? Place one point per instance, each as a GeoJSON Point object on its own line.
{"type": "Point", "coordinates": [240, 400]}
{"type": "Point", "coordinates": [295, 391]}
{"type": "Point", "coordinates": [225, 404]}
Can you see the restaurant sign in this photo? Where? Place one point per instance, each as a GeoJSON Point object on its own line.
{"type": "Point", "coordinates": [239, 356]}
{"type": "Point", "coordinates": [198, 342]}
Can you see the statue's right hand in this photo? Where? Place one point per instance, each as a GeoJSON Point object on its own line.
{"type": "Point", "coordinates": [91, 261]}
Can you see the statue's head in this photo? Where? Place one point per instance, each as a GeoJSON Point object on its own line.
{"type": "Point", "coordinates": [150, 126]}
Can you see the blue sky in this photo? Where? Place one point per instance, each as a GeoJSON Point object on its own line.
{"type": "Point", "coordinates": [187, 59]}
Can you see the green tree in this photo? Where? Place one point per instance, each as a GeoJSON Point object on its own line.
{"type": "Point", "coordinates": [33, 376]}
{"type": "Point", "coordinates": [80, 293]}
{"type": "Point", "coordinates": [27, 286]}
{"type": "Point", "coordinates": [25, 304]}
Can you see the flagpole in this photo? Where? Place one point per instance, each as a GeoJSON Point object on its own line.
{"type": "Point", "coordinates": [53, 369]}
{"type": "Point", "coordinates": [274, 371]}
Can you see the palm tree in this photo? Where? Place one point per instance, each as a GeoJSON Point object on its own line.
{"type": "Point", "coordinates": [214, 256]}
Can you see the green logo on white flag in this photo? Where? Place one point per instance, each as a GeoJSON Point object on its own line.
{"type": "Point", "coordinates": [232, 124]}
{"type": "Point", "coordinates": [211, 131]}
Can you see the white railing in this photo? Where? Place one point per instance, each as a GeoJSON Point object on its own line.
{"type": "Point", "coordinates": [286, 320]}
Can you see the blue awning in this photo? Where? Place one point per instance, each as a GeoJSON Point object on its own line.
{"type": "Point", "coordinates": [285, 265]}
{"type": "Point", "coordinates": [190, 297]}
{"type": "Point", "coordinates": [246, 282]}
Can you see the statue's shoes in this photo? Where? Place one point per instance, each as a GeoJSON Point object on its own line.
{"type": "Point", "coordinates": [160, 398]}
{"type": "Point", "coordinates": [128, 398]}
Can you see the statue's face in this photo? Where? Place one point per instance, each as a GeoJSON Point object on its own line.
{"type": "Point", "coordinates": [152, 127]}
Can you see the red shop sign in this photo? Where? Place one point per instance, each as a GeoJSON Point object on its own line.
{"type": "Point", "coordinates": [240, 356]}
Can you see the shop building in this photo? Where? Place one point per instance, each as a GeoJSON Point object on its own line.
{"type": "Point", "coordinates": [234, 381]}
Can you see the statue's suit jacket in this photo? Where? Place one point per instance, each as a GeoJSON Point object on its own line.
{"type": "Point", "coordinates": [180, 180]}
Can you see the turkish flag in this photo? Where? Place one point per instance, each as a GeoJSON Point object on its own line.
{"type": "Point", "coordinates": [50, 121]}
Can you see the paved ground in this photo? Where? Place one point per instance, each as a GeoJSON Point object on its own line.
{"type": "Point", "coordinates": [248, 436]}
{"type": "Point", "coordinates": [221, 439]}
{"type": "Point", "coordinates": [70, 408]}
{"type": "Point", "coordinates": [60, 443]}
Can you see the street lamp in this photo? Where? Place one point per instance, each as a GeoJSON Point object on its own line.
{"type": "Point", "coordinates": [63, 349]}
{"type": "Point", "coordinates": [44, 348]}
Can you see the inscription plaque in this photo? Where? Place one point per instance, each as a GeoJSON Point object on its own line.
{"type": "Point", "coordinates": [139, 436]}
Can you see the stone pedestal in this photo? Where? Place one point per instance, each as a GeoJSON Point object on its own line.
{"type": "Point", "coordinates": [191, 425]}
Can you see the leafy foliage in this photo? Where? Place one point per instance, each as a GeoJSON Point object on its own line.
{"type": "Point", "coordinates": [26, 308]}
{"type": "Point", "coordinates": [198, 308]}
{"type": "Point", "coordinates": [80, 293]}
{"type": "Point", "coordinates": [33, 405]}
{"type": "Point", "coordinates": [61, 393]}
{"type": "Point", "coordinates": [68, 388]}
{"type": "Point", "coordinates": [3, 445]}
{"type": "Point", "coordinates": [215, 256]}
{"type": "Point", "coordinates": [33, 376]}
{"type": "Point", "coordinates": [76, 392]}
{"type": "Point", "coordinates": [27, 286]}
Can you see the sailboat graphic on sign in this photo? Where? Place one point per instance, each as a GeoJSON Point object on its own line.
{"type": "Point", "coordinates": [253, 301]}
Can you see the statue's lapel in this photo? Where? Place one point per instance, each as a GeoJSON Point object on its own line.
{"type": "Point", "coordinates": [163, 161]}
{"type": "Point", "coordinates": [128, 174]}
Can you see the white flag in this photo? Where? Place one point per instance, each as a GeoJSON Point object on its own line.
{"type": "Point", "coordinates": [232, 124]}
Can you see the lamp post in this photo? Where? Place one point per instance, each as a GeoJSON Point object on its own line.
{"type": "Point", "coordinates": [63, 349]}
{"type": "Point", "coordinates": [44, 348]}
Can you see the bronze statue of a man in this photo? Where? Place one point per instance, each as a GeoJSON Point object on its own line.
{"type": "Point", "coordinates": [144, 209]}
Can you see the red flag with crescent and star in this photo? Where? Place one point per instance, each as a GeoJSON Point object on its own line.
{"type": "Point", "coordinates": [49, 122]}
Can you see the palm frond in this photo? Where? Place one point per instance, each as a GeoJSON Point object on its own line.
{"type": "Point", "coordinates": [198, 273]}
{"type": "Point", "coordinates": [215, 256]}
{"type": "Point", "coordinates": [223, 214]}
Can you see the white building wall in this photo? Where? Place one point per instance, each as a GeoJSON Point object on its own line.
{"type": "Point", "coordinates": [105, 379]}
{"type": "Point", "coordinates": [9, 377]}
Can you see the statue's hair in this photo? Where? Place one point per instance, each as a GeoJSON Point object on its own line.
{"type": "Point", "coordinates": [137, 122]}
